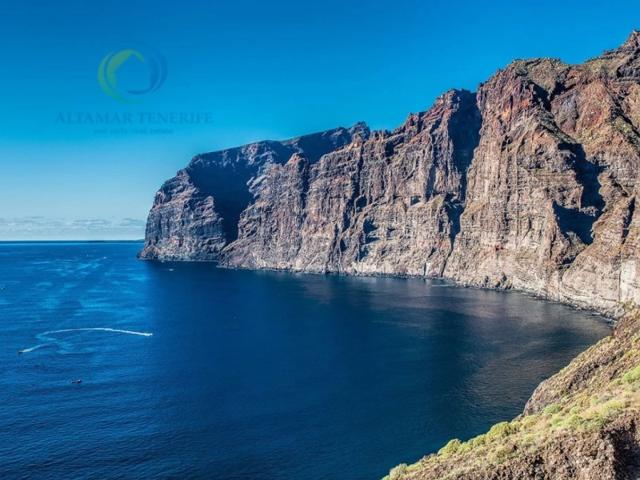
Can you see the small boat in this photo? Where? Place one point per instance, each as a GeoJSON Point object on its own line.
{"type": "Point", "coordinates": [77, 381]}
{"type": "Point", "coordinates": [20, 352]}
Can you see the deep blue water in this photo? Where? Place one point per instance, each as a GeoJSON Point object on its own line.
{"type": "Point", "coordinates": [251, 375]}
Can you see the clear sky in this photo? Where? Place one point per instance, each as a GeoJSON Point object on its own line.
{"type": "Point", "coordinates": [255, 68]}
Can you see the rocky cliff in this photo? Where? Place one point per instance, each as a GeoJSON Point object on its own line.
{"type": "Point", "coordinates": [196, 213]}
{"type": "Point", "coordinates": [529, 183]}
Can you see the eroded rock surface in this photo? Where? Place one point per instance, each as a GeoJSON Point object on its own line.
{"type": "Point", "coordinates": [196, 213]}
{"type": "Point", "coordinates": [530, 183]}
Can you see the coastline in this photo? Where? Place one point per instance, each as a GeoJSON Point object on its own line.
{"type": "Point", "coordinates": [440, 464]}
{"type": "Point", "coordinates": [582, 423]}
{"type": "Point", "coordinates": [612, 319]}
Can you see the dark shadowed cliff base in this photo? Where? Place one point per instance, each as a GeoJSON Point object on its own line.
{"type": "Point", "coordinates": [529, 183]}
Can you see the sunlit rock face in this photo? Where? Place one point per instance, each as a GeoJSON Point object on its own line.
{"type": "Point", "coordinates": [529, 183]}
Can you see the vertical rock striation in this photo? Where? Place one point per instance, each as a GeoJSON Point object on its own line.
{"type": "Point", "coordinates": [530, 183]}
{"type": "Point", "coordinates": [196, 213]}
{"type": "Point", "coordinates": [387, 204]}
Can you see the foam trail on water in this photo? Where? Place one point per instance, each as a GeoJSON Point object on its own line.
{"type": "Point", "coordinates": [44, 336]}
{"type": "Point", "coordinates": [97, 329]}
{"type": "Point", "coordinates": [31, 349]}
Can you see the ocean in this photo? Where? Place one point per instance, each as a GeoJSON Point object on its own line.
{"type": "Point", "coordinates": [113, 368]}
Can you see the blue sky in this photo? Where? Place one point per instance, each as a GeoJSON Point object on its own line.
{"type": "Point", "coordinates": [259, 69]}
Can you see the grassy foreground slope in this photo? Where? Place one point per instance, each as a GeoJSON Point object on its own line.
{"type": "Point", "coordinates": [582, 423]}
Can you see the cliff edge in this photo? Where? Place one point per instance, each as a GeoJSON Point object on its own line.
{"type": "Point", "coordinates": [528, 183]}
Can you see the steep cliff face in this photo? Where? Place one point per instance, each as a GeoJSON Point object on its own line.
{"type": "Point", "coordinates": [552, 185]}
{"type": "Point", "coordinates": [529, 183]}
{"type": "Point", "coordinates": [196, 213]}
{"type": "Point", "coordinates": [387, 204]}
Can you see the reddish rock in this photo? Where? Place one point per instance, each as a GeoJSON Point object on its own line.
{"type": "Point", "coordinates": [530, 183]}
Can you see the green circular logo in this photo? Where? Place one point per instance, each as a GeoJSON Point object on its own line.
{"type": "Point", "coordinates": [156, 73]}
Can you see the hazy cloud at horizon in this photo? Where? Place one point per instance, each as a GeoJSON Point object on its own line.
{"type": "Point", "coordinates": [45, 228]}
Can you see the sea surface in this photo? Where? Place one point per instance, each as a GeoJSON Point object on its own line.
{"type": "Point", "coordinates": [188, 371]}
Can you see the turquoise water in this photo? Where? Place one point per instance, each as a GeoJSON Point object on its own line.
{"type": "Point", "coordinates": [194, 372]}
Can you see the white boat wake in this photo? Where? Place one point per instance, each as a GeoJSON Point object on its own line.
{"type": "Point", "coordinates": [31, 349]}
{"type": "Point", "coordinates": [97, 329]}
{"type": "Point", "coordinates": [49, 336]}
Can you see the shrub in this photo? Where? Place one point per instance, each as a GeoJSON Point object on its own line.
{"type": "Point", "coordinates": [529, 421]}
{"type": "Point", "coordinates": [500, 430]}
{"type": "Point", "coordinates": [551, 409]}
{"type": "Point", "coordinates": [450, 448]}
{"type": "Point", "coordinates": [477, 441]}
{"type": "Point", "coordinates": [396, 473]}
{"type": "Point", "coordinates": [632, 375]}
{"type": "Point", "coordinates": [575, 421]}
{"type": "Point", "coordinates": [612, 407]}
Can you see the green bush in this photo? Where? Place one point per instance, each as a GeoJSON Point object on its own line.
{"type": "Point", "coordinates": [632, 375]}
{"type": "Point", "coordinates": [450, 448]}
{"type": "Point", "coordinates": [477, 441]}
{"type": "Point", "coordinates": [551, 409]}
{"type": "Point", "coordinates": [500, 430]}
{"type": "Point", "coordinates": [575, 421]}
